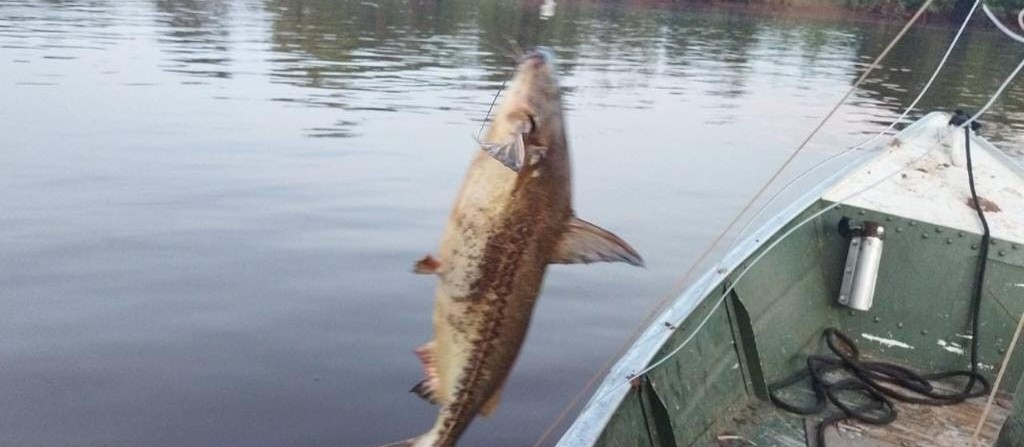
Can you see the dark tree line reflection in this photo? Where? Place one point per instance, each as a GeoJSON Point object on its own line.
{"type": "Point", "coordinates": [196, 36]}
{"type": "Point", "coordinates": [369, 55]}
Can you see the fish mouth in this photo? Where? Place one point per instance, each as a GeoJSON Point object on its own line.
{"type": "Point", "coordinates": [538, 58]}
{"type": "Point", "coordinates": [530, 104]}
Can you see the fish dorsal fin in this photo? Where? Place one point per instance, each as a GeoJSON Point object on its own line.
{"type": "Point", "coordinates": [428, 387]}
{"type": "Point", "coordinates": [584, 243]}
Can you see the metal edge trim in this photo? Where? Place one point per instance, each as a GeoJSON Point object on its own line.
{"type": "Point", "coordinates": [590, 423]}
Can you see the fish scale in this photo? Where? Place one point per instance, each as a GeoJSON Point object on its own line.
{"type": "Point", "coordinates": [512, 217]}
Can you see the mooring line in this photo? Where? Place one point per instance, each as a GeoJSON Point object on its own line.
{"type": "Point", "coordinates": [681, 282]}
{"type": "Point", "coordinates": [753, 262]}
{"type": "Point", "coordinates": [999, 24]}
{"type": "Point", "coordinates": [999, 377]}
{"type": "Point", "coordinates": [967, 122]}
{"type": "Point", "coordinates": [906, 111]}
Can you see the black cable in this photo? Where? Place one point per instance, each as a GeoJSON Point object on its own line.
{"type": "Point", "coordinates": [879, 383]}
{"type": "Point", "coordinates": [844, 372]}
{"type": "Point", "coordinates": [986, 238]}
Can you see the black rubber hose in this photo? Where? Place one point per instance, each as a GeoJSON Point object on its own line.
{"type": "Point", "coordinates": [986, 242]}
{"type": "Point", "coordinates": [878, 383]}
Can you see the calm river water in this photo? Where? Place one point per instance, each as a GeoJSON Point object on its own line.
{"type": "Point", "coordinates": [209, 209]}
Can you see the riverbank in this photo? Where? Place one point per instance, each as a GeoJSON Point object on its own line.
{"type": "Point", "coordinates": [945, 9]}
{"type": "Point", "coordinates": [939, 12]}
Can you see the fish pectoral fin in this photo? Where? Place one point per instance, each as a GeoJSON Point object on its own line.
{"type": "Point", "coordinates": [428, 387]}
{"type": "Point", "coordinates": [511, 153]}
{"type": "Point", "coordinates": [584, 243]}
{"type": "Point", "coordinates": [426, 266]}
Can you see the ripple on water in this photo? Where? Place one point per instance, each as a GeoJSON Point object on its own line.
{"type": "Point", "coordinates": [211, 207]}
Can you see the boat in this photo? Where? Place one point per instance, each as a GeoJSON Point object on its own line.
{"type": "Point", "coordinates": [881, 258]}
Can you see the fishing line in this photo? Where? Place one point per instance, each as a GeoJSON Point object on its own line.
{"type": "Point", "coordinates": [768, 249]}
{"type": "Point", "coordinates": [867, 376]}
{"type": "Point", "coordinates": [678, 284]}
{"type": "Point", "coordinates": [1006, 83]}
{"type": "Point", "coordinates": [491, 107]}
{"type": "Point", "coordinates": [1020, 323]}
{"type": "Point", "coordinates": [756, 259]}
{"type": "Point", "coordinates": [1010, 78]}
{"type": "Point", "coordinates": [992, 100]}
{"type": "Point", "coordinates": [999, 377]}
{"type": "Point", "coordinates": [913, 104]}
{"type": "Point", "coordinates": [999, 24]}
{"type": "Point", "coordinates": [789, 159]}
{"type": "Point", "coordinates": [515, 56]}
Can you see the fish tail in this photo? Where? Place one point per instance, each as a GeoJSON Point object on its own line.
{"type": "Point", "coordinates": [428, 439]}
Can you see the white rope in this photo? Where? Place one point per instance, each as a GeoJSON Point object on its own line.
{"type": "Point", "coordinates": [754, 262]}
{"type": "Point", "coordinates": [1020, 323]}
{"type": "Point", "coordinates": [682, 280]}
{"type": "Point", "coordinates": [1006, 83]}
{"type": "Point", "coordinates": [910, 108]}
{"type": "Point", "coordinates": [1009, 79]}
{"type": "Point", "coordinates": [785, 235]}
{"type": "Point", "coordinates": [999, 377]}
{"type": "Point", "coordinates": [913, 104]}
{"type": "Point", "coordinates": [995, 96]}
{"type": "Point", "coordinates": [799, 225]}
{"type": "Point", "coordinates": [999, 24]}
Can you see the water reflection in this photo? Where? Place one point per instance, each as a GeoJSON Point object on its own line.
{"type": "Point", "coordinates": [373, 56]}
{"type": "Point", "coordinates": [978, 65]}
{"type": "Point", "coordinates": [210, 206]}
{"type": "Point", "coordinates": [196, 35]}
{"type": "Point", "coordinates": [359, 57]}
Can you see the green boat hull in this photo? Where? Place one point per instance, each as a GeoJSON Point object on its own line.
{"type": "Point", "coordinates": [774, 316]}
{"type": "Point", "coordinates": [759, 313]}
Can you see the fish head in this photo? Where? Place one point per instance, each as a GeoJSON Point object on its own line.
{"type": "Point", "coordinates": [532, 105]}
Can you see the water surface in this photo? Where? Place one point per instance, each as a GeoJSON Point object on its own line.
{"type": "Point", "coordinates": [210, 208]}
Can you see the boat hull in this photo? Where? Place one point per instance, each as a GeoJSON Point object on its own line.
{"type": "Point", "coordinates": [755, 317]}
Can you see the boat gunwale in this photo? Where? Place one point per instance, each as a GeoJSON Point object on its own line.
{"type": "Point", "coordinates": [589, 424]}
{"type": "Point", "coordinates": [996, 153]}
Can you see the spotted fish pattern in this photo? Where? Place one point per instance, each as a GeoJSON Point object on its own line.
{"type": "Point", "coordinates": [513, 216]}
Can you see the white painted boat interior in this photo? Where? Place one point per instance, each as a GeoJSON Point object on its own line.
{"type": "Point", "coordinates": [931, 184]}
{"type": "Point", "coordinates": [913, 175]}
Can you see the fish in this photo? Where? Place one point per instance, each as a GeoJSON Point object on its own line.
{"type": "Point", "coordinates": [512, 218]}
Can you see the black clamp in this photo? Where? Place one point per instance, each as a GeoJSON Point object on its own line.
{"type": "Point", "coordinates": [960, 117]}
{"type": "Point", "coordinates": [848, 228]}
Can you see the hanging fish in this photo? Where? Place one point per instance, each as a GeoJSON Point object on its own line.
{"type": "Point", "coordinates": [511, 219]}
